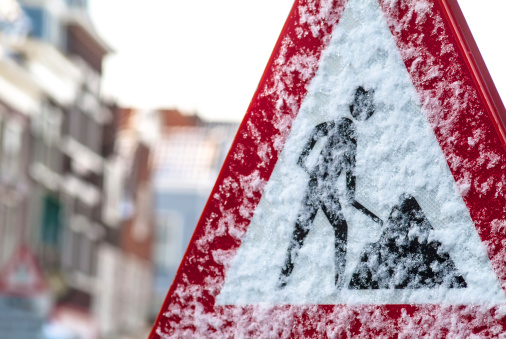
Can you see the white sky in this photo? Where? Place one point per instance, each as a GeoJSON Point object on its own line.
{"type": "Point", "coordinates": [208, 56]}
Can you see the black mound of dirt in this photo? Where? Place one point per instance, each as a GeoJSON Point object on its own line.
{"type": "Point", "coordinates": [403, 257]}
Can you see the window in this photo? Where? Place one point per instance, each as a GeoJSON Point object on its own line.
{"type": "Point", "coordinates": [78, 3]}
{"type": "Point", "coordinates": [142, 223]}
{"type": "Point", "coordinates": [113, 189]}
{"type": "Point", "coordinates": [11, 149]}
{"type": "Point", "coordinates": [169, 240]}
{"type": "Point", "coordinates": [85, 254]}
{"type": "Point", "coordinates": [84, 129]}
{"type": "Point", "coordinates": [50, 231]}
{"type": "Point", "coordinates": [51, 225]}
{"type": "Point", "coordinates": [81, 243]}
{"type": "Point", "coordinates": [78, 260]}
{"type": "Point", "coordinates": [47, 129]}
{"type": "Point", "coordinates": [68, 241]}
{"type": "Point", "coordinates": [48, 124]}
{"type": "Point", "coordinates": [9, 228]}
{"type": "Point", "coordinates": [68, 246]}
{"type": "Point", "coordinates": [88, 103]}
{"type": "Point", "coordinates": [94, 136]}
{"type": "Point", "coordinates": [38, 21]}
{"type": "Point", "coordinates": [52, 119]}
{"type": "Point", "coordinates": [44, 25]}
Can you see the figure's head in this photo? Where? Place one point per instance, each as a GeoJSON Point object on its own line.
{"type": "Point", "coordinates": [362, 107]}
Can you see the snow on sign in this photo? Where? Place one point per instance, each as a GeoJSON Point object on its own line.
{"type": "Point", "coordinates": [365, 192]}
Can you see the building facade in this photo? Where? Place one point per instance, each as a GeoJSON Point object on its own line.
{"type": "Point", "coordinates": [60, 194]}
{"type": "Point", "coordinates": [187, 159]}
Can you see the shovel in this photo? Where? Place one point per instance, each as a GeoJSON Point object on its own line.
{"type": "Point", "coordinates": [364, 210]}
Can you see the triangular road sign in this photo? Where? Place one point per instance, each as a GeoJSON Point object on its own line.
{"type": "Point", "coordinates": [22, 276]}
{"type": "Point", "coordinates": [365, 191]}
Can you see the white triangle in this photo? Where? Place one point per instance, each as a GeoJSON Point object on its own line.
{"type": "Point", "coordinates": [23, 276]}
{"type": "Point", "coordinates": [397, 153]}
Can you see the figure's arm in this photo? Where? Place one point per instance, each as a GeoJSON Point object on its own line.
{"type": "Point", "coordinates": [319, 131]}
{"type": "Point", "coordinates": [351, 179]}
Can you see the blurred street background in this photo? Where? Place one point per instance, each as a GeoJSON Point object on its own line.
{"type": "Point", "coordinates": [97, 200]}
{"type": "Point", "coordinates": [104, 172]}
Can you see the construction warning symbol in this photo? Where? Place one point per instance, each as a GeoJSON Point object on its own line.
{"type": "Point", "coordinates": [22, 275]}
{"type": "Point", "coordinates": [365, 191]}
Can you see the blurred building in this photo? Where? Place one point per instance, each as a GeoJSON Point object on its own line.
{"type": "Point", "coordinates": [80, 179]}
{"type": "Point", "coordinates": [186, 162]}
{"type": "Point", "coordinates": [19, 101]}
{"type": "Point", "coordinates": [187, 155]}
{"type": "Point", "coordinates": [60, 154]}
{"type": "Point", "coordinates": [125, 261]}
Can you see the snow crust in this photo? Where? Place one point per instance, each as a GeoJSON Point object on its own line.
{"type": "Point", "coordinates": [397, 153]}
{"type": "Point", "coordinates": [232, 293]}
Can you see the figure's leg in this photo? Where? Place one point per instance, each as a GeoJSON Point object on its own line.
{"type": "Point", "coordinates": [306, 216]}
{"type": "Point", "coordinates": [334, 214]}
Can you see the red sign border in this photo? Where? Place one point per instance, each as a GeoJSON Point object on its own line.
{"type": "Point", "coordinates": [477, 65]}
{"type": "Point", "coordinates": [200, 270]}
{"type": "Point", "coordinates": [23, 254]}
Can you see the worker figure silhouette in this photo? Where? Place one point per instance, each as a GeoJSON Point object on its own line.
{"type": "Point", "coordinates": [336, 158]}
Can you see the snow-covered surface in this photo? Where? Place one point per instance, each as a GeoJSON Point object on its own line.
{"type": "Point", "coordinates": [397, 153]}
{"type": "Point", "coordinates": [225, 288]}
